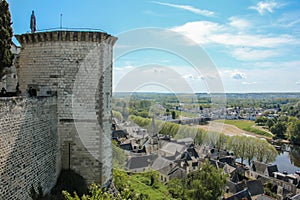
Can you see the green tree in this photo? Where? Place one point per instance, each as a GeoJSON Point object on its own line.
{"type": "Point", "coordinates": [270, 123]}
{"type": "Point", "coordinates": [96, 193]}
{"type": "Point", "coordinates": [261, 120]}
{"type": "Point", "coordinates": [221, 142]}
{"type": "Point", "coordinates": [176, 188]}
{"type": "Point", "coordinates": [293, 131]}
{"type": "Point", "coordinates": [247, 148]}
{"type": "Point", "coordinates": [279, 129]}
{"type": "Point", "coordinates": [173, 115]}
{"type": "Point", "coordinates": [200, 136]}
{"type": "Point", "coordinates": [265, 152]}
{"type": "Point", "coordinates": [205, 184]}
{"type": "Point", "coordinates": [237, 144]}
{"type": "Point", "coordinates": [117, 115]}
{"type": "Point", "coordinates": [6, 34]}
{"type": "Point", "coordinates": [250, 149]}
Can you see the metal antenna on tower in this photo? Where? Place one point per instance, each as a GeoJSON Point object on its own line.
{"type": "Point", "coordinates": [61, 21]}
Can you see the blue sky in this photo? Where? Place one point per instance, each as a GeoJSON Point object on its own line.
{"type": "Point", "coordinates": [254, 44]}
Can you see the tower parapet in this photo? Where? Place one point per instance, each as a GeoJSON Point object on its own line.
{"type": "Point", "coordinates": [66, 36]}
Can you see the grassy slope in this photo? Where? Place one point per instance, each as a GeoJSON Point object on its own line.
{"type": "Point", "coordinates": [247, 125]}
{"type": "Point", "coordinates": [140, 183]}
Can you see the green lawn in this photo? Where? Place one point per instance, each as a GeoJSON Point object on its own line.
{"type": "Point", "coordinates": [247, 125]}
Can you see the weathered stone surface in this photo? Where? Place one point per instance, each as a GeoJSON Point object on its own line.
{"type": "Point", "coordinates": [75, 69]}
{"type": "Point", "coordinates": [28, 146]}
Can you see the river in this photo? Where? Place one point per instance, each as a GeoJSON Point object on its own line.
{"type": "Point", "coordinates": [288, 159]}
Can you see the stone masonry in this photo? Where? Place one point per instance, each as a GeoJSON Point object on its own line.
{"type": "Point", "coordinates": [29, 148]}
{"type": "Point", "coordinates": [77, 68]}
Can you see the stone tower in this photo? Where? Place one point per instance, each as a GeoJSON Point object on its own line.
{"type": "Point", "coordinates": [76, 67]}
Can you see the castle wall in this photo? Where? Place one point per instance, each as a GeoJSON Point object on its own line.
{"type": "Point", "coordinates": [29, 148]}
{"type": "Point", "coordinates": [75, 66]}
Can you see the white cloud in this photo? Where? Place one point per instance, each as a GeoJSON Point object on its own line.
{"type": "Point", "coordinates": [193, 77]}
{"type": "Point", "coordinates": [233, 74]}
{"type": "Point", "coordinates": [248, 83]}
{"type": "Point", "coordinates": [206, 13]}
{"type": "Point", "coordinates": [239, 23]}
{"type": "Point", "coordinates": [289, 19]}
{"type": "Point", "coordinates": [292, 23]}
{"type": "Point", "coordinates": [248, 54]}
{"type": "Point", "coordinates": [129, 67]}
{"type": "Point", "coordinates": [252, 40]}
{"type": "Point", "coordinates": [239, 76]}
{"type": "Point", "coordinates": [204, 32]}
{"type": "Point", "coordinates": [265, 6]}
{"type": "Point", "coordinates": [292, 65]}
{"type": "Point", "coordinates": [298, 82]}
{"type": "Point", "coordinates": [199, 31]}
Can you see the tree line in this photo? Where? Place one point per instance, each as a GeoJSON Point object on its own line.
{"type": "Point", "coordinates": [243, 147]}
{"type": "Point", "coordinates": [284, 126]}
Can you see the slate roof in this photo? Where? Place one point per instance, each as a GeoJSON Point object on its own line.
{"type": "Point", "coordinates": [160, 162]}
{"type": "Point", "coordinates": [193, 152]}
{"type": "Point", "coordinates": [118, 134]}
{"type": "Point", "coordinates": [167, 170]}
{"type": "Point", "coordinates": [235, 178]}
{"type": "Point", "coordinates": [138, 162]}
{"type": "Point", "coordinates": [255, 187]}
{"type": "Point", "coordinates": [172, 170]}
{"type": "Point", "coordinates": [261, 168]}
{"type": "Point", "coordinates": [228, 169]}
{"type": "Point", "coordinates": [176, 156]}
{"type": "Point", "coordinates": [220, 164]}
{"type": "Point", "coordinates": [242, 195]}
{"type": "Point", "coordinates": [127, 147]}
{"type": "Point", "coordinates": [235, 187]}
{"type": "Point", "coordinates": [172, 147]}
{"type": "Point", "coordinates": [185, 156]}
{"type": "Point", "coordinates": [227, 159]}
{"type": "Point", "coordinates": [263, 179]}
{"type": "Point", "coordinates": [214, 163]}
{"type": "Point", "coordinates": [271, 169]}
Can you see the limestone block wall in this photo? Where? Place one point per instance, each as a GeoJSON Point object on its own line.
{"type": "Point", "coordinates": [77, 67]}
{"type": "Point", "coordinates": [29, 148]}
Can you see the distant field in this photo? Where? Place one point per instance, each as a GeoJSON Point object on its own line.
{"type": "Point", "coordinates": [247, 125]}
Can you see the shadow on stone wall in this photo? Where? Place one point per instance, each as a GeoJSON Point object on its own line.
{"type": "Point", "coordinates": [28, 146]}
{"type": "Point", "coordinates": [68, 181]}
